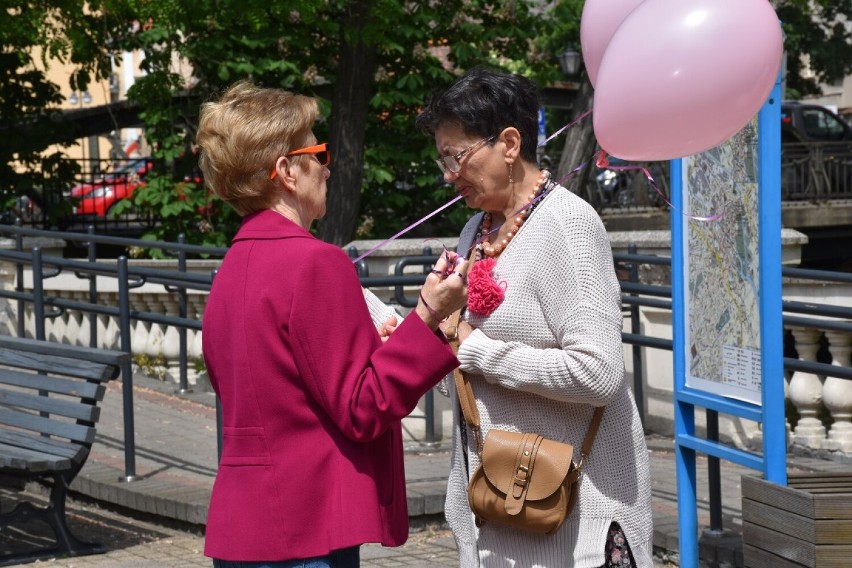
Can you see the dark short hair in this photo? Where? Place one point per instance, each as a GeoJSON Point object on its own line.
{"type": "Point", "coordinates": [483, 102]}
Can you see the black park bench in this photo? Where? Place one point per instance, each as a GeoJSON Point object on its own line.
{"type": "Point", "coordinates": [49, 394]}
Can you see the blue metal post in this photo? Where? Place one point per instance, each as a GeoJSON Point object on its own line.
{"type": "Point", "coordinates": [684, 412]}
{"type": "Point", "coordinates": [19, 281]}
{"type": "Point", "coordinates": [38, 294]}
{"type": "Point", "coordinates": [771, 320]}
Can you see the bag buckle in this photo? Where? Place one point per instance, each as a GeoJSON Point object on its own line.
{"type": "Point", "coordinates": [521, 477]}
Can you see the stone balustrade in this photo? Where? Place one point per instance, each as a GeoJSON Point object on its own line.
{"type": "Point", "coordinates": [822, 421]}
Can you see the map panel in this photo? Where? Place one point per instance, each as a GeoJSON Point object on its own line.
{"type": "Point", "coordinates": [721, 271]}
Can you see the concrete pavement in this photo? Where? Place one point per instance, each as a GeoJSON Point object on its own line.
{"type": "Point", "coordinates": [175, 466]}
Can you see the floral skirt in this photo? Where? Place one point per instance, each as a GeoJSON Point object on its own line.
{"type": "Point", "coordinates": [618, 553]}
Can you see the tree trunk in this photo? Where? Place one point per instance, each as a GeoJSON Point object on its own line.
{"type": "Point", "coordinates": [347, 125]}
{"type": "Point", "coordinates": [580, 146]}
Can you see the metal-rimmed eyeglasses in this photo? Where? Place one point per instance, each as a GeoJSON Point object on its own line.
{"type": "Point", "coordinates": [452, 164]}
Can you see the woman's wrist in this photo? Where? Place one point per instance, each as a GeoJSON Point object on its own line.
{"type": "Point", "coordinates": [428, 314]}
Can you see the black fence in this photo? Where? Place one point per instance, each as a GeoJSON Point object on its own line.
{"type": "Point", "coordinates": [179, 281]}
{"type": "Point", "coordinates": [816, 171]}
{"type": "Point", "coordinates": [810, 171]}
{"type": "Point", "coordinates": [93, 198]}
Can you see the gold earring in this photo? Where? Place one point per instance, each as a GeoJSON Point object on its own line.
{"type": "Point", "coordinates": [511, 168]}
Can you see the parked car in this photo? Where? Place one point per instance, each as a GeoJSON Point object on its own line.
{"type": "Point", "coordinates": [100, 196]}
{"type": "Point", "coordinates": [812, 123]}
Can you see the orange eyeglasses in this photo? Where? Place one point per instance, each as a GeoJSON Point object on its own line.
{"type": "Point", "coordinates": [321, 152]}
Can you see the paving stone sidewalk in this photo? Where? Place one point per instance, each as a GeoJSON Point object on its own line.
{"type": "Point", "coordinates": [156, 518]}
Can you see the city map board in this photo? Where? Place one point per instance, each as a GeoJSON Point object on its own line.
{"type": "Point", "coordinates": [721, 269]}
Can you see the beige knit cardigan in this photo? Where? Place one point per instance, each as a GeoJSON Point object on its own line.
{"type": "Point", "coordinates": [549, 353]}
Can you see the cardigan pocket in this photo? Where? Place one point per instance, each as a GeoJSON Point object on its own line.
{"type": "Point", "coordinates": [244, 447]}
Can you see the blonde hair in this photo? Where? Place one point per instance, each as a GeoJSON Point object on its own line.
{"type": "Point", "coordinates": [242, 135]}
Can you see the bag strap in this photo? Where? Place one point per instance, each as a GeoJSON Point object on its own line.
{"type": "Point", "coordinates": [467, 400]}
{"type": "Point", "coordinates": [586, 449]}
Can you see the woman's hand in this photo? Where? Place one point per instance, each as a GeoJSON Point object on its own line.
{"type": "Point", "coordinates": [388, 327]}
{"type": "Point", "coordinates": [464, 329]}
{"type": "Point", "coordinates": [444, 291]}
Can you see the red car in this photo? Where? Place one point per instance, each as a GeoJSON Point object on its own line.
{"type": "Point", "coordinates": [98, 197]}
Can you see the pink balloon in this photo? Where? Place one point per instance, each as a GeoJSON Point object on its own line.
{"type": "Point", "coordinates": [597, 24]}
{"type": "Point", "coordinates": [681, 76]}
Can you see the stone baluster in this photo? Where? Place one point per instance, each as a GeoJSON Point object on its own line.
{"type": "Point", "coordinates": [155, 342]}
{"type": "Point", "coordinates": [56, 329]}
{"type": "Point", "coordinates": [195, 355]}
{"type": "Point", "coordinates": [76, 327]}
{"type": "Point", "coordinates": [806, 391]}
{"type": "Point", "coordinates": [171, 337]}
{"type": "Point", "coordinates": [108, 331]}
{"type": "Point", "coordinates": [788, 375]}
{"type": "Point", "coordinates": [29, 320]}
{"type": "Point", "coordinates": [837, 394]}
{"type": "Point", "coordinates": [141, 329]}
{"type": "Point", "coordinates": [8, 308]}
{"type": "Point", "coordinates": [195, 310]}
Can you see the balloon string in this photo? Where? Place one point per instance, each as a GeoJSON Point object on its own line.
{"type": "Point", "coordinates": [441, 208]}
{"type": "Point", "coordinates": [408, 228]}
{"type": "Point", "coordinates": [573, 172]}
{"type": "Point", "coordinates": [602, 161]}
{"type": "Point", "coordinates": [566, 127]}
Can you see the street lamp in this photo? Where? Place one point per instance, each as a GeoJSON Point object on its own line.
{"type": "Point", "coordinates": [82, 100]}
{"type": "Point", "coordinates": [569, 61]}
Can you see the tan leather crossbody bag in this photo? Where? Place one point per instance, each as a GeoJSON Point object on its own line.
{"type": "Point", "coordinates": [524, 481]}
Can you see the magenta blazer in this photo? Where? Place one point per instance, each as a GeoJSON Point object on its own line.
{"type": "Point", "coordinates": [312, 399]}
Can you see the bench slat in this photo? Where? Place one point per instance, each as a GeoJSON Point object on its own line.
{"type": "Point", "coordinates": [57, 385]}
{"type": "Point", "coordinates": [29, 460]}
{"type": "Point", "coordinates": [73, 451]}
{"type": "Point", "coordinates": [49, 348]}
{"type": "Point", "coordinates": [76, 432]}
{"type": "Point", "coordinates": [57, 365]}
{"type": "Point", "coordinates": [56, 406]}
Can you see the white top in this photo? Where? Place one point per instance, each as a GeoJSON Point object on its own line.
{"type": "Point", "coordinates": [549, 352]}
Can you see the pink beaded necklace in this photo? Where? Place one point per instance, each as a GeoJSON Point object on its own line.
{"type": "Point", "coordinates": [485, 294]}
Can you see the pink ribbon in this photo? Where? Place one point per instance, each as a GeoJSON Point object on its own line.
{"type": "Point", "coordinates": [602, 161]}
{"type": "Point", "coordinates": [408, 228]}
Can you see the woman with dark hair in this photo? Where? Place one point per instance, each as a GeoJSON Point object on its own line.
{"type": "Point", "coordinates": [540, 339]}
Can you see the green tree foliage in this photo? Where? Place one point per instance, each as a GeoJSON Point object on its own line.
{"type": "Point", "coordinates": [372, 62]}
{"type": "Point", "coordinates": [31, 34]}
{"type": "Point", "coordinates": [818, 35]}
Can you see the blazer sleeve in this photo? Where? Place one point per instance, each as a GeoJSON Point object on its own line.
{"type": "Point", "coordinates": [363, 384]}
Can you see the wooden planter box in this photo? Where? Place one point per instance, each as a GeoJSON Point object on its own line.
{"type": "Point", "coordinates": [806, 523]}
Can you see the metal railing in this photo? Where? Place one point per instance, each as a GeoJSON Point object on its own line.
{"type": "Point", "coordinates": [816, 171]}
{"type": "Point", "coordinates": [810, 171]}
{"type": "Point", "coordinates": [635, 296]}
{"type": "Point", "coordinates": [127, 277]}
